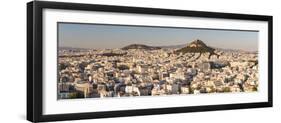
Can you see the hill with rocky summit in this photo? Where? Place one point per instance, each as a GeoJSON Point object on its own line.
{"type": "Point", "coordinates": [197, 46]}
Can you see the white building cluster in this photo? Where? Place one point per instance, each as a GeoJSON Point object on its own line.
{"type": "Point", "coordinates": [137, 72]}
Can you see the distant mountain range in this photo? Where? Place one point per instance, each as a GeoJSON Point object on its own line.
{"type": "Point", "coordinates": [72, 48]}
{"type": "Point", "coordinates": [140, 46]}
{"type": "Point", "coordinates": [196, 46]}
{"type": "Point", "coordinates": [200, 47]}
{"type": "Point", "coordinates": [173, 46]}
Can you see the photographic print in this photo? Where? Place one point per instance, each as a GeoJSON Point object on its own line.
{"type": "Point", "coordinates": [115, 61]}
{"type": "Point", "coordinates": [88, 61]}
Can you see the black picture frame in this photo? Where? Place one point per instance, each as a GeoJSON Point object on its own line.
{"type": "Point", "coordinates": [35, 69]}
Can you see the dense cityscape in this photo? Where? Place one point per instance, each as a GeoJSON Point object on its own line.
{"type": "Point", "coordinates": [142, 70]}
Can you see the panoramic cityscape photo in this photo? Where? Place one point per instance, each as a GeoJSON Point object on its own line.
{"type": "Point", "coordinates": [113, 61]}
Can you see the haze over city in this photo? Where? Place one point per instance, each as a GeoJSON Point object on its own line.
{"type": "Point", "coordinates": [97, 36]}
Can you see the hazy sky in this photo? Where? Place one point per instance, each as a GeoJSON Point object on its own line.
{"type": "Point", "coordinates": [117, 36]}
